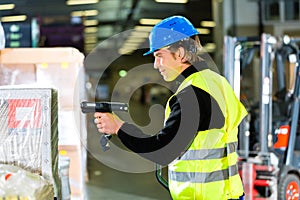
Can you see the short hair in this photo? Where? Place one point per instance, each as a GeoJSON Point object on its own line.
{"type": "Point", "coordinates": [192, 48]}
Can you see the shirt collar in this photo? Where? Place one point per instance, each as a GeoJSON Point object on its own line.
{"type": "Point", "coordinates": [189, 71]}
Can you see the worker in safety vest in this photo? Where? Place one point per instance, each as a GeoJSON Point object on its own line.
{"type": "Point", "coordinates": [199, 139]}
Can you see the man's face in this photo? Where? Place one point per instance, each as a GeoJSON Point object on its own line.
{"type": "Point", "coordinates": [167, 63]}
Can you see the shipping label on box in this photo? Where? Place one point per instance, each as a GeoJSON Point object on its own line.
{"type": "Point", "coordinates": [24, 113]}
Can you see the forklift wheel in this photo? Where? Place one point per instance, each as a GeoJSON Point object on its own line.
{"type": "Point", "coordinates": [289, 188]}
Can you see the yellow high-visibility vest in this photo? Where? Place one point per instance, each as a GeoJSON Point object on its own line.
{"type": "Point", "coordinates": [208, 168]}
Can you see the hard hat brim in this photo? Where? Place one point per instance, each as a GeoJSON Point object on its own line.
{"type": "Point", "coordinates": [148, 53]}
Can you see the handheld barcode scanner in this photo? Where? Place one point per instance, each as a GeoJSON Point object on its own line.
{"type": "Point", "coordinates": [91, 107]}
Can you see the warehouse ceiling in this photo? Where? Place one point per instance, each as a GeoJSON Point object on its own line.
{"type": "Point", "coordinates": [114, 20]}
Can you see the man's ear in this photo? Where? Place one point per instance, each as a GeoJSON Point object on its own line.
{"type": "Point", "coordinates": [181, 54]}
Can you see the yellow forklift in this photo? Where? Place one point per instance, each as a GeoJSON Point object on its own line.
{"type": "Point", "coordinates": [264, 72]}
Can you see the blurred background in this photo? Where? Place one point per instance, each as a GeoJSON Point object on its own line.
{"type": "Point", "coordinates": [112, 35]}
{"type": "Point", "coordinates": [87, 24]}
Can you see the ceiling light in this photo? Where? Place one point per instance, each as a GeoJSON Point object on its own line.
{"type": "Point", "coordinates": [143, 28]}
{"type": "Point", "coordinates": [144, 21]}
{"type": "Point", "coordinates": [91, 30]}
{"type": "Point", "coordinates": [128, 48]}
{"type": "Point", "coordinates": [135, 40]}
{"type": "Point", "coordinates": [131, 45]}
{"type": "Point", "coordinates": [208, 23]}
{"type": "Point", "coordinates": [7, 6]}
{"type": "Point", "coordinates": [171, 1]}
{"type": "Point", "coordinates": [90, 37]}
{"type": "Point", "coordinates": [85, 13]}
{"type": "Point", "coordinates": [81, 2]}
{"type": "Point", "coordinates": [90, 40]}
{"type": "Point", "coordinates": [210, 47]}
{"type": "Point", "coordinates": [125, 51]}
{"type": "Point", "coordinates": [16, 18]}
{"type": "Point", "coordinates": [138, 34]}
{"type": "Point", "coordinates": [203, 31]}
{"type": "Point", "coordinates": [89, 47]}
{"type": "Point", "coordinates": [91, 22]}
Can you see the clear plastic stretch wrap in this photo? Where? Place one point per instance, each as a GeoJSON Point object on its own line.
{"type": "Point", "coordinates": [29, 131]}
{"type": "Point", "coordinates": [17, 183]}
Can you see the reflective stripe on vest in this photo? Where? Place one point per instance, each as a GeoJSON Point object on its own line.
{"type": "Point", "coordinates": [201, 177]}
{"type": "Point", "coordinates": [203, 154]}
{"type": "Point", "coordinates": [211, 160]}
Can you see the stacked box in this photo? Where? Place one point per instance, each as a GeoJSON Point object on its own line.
{"type": "Point", "coordinates": [29, 131]}
{"type": "Point", "coordinates": [60, 68]}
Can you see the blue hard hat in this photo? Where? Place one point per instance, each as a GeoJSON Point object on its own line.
{"type": "Point", "coordinates": [169, 31]}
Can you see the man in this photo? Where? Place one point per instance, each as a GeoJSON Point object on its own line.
{"type": "Point", "coordinates": [199, 139]}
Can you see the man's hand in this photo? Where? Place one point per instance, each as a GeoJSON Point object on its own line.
{"type": "Point", "coordinates": [108, 123]}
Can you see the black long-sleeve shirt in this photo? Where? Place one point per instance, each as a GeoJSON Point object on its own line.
{"type": "Point", "coordinates": [191, 111]}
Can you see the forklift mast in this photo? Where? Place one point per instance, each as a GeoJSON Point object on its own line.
{"type": "Point", "coordinates": [265, 104]}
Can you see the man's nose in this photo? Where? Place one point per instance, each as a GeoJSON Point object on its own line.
{"type": "Point", "coordinates": [156, 63]}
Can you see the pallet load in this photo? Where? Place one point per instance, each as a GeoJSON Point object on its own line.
{"type": "Point", "coordinates": [62, 70]}
{"type": "Point", "coordinates": [29, 136]}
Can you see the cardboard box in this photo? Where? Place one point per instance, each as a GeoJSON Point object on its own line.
{"type": "Point", "coordinates": [40, 55]}
{"type": "Point", "coordinates": [13, 75]}
{"type": "Point", "coordinates": [60, 68]}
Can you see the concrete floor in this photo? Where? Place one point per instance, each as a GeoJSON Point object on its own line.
{"type": "Point", "coordinates": [109, 184]}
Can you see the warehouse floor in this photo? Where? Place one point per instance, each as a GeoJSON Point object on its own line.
{"type": "Point", "coordinates": [109, 184]}
{"type": "Point", "coordinates": [105, 183]}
